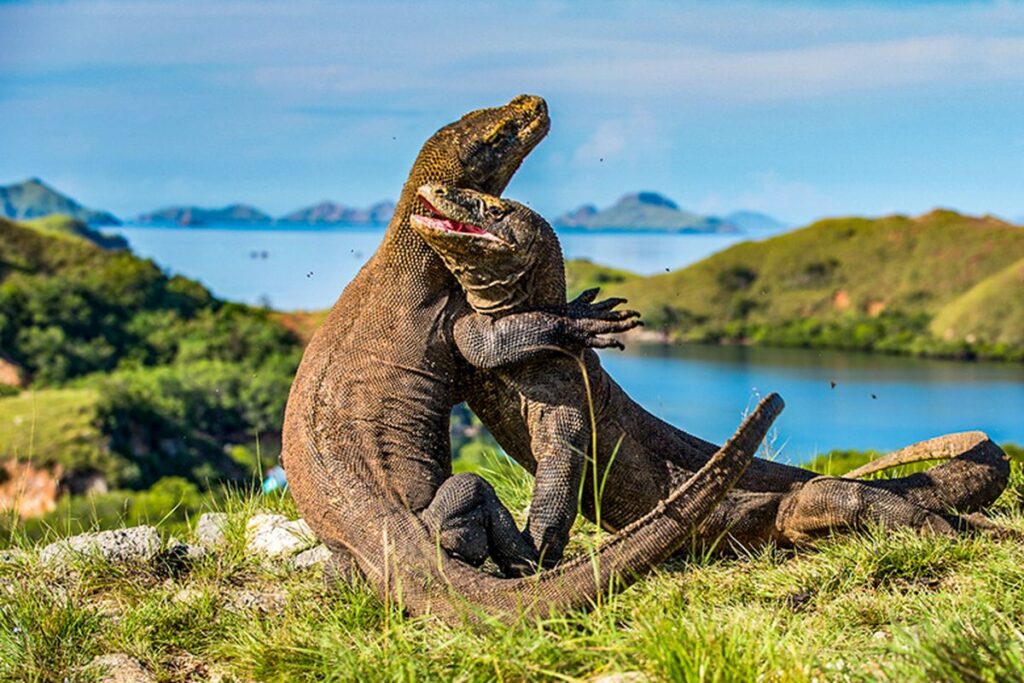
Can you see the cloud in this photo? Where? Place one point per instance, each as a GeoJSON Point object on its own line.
{"type": "Point", "coordinates": [616, 138]}
{"type": "Point", "coordinates": [674, 72]}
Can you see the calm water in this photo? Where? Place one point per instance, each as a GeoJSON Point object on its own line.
{"type": "Point", "coordinates": [879, 402]}
{"type": "Point", "coordinates": [702, 389]}
{"type": "Point", "coordinates": [307, 269]}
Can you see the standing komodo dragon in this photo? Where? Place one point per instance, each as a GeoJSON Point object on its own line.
{"type": "Point", "coordinates": [639, 457]}
{"type": "Point", "coordinates": [366, 442]}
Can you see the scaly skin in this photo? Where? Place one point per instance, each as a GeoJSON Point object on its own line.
{"type": "Point", "coordinates": [366, 427]}
{"type": "Point", "coordinates": [645, 457]}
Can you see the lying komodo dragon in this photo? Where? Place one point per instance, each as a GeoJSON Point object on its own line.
{"type": "Point", "coordinates": [639, 457]}
{"type": "Point", "coordinates": [366, 427]}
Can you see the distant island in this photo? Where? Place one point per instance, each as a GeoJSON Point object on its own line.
{"type": "Point", "coordinates": [635, 211]}
{"type": "Point", "coordinates": [324, 213]}
{"type": "Point", "coordinates": [654, 211]}
{"type": "Point", "coordinates": [194, 215]}
{"type": "Point", "coordinates": [33, 198]}
{"type": "Point", "coordinates": [331, 213]}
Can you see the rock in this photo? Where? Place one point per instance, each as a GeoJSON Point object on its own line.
{"type": "Point", "coordinates": [120, 668]}
{"type": "Point", "coordinates": [276, 536]}
{"type": "Point", "coordinates": [250, 601]}
{"type": "Point", "coordinates": [135, 544]}
{"type": "Point", "coordinates": [312, 557]}
{"type": "Point", "coordinates": [622, 677]}
{"type": "Point", "coordinates": [211, 528]}
{"type": "Point", "coordinates": [13, 556]}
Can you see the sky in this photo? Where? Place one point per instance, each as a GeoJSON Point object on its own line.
{"type": "Point", "coordinates": [798, 109]}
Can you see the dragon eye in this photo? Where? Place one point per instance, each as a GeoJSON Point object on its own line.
{"type": "Point", "coordinates": [495, 211]}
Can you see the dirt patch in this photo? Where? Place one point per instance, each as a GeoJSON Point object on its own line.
{"type": "Point", "coordinates": [28, 490]}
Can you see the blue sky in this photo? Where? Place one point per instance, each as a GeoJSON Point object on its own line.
{"type": "Point", "coordinates": [800, 109]}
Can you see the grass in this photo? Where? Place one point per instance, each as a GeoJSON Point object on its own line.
{"type": "Point", "coordinates": [54, 427]}
{"type": "Point", "coordinates": [881, 605]}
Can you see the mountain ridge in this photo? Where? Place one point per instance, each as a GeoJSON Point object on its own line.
{"type": "Point", "coordinates": [33, 198]}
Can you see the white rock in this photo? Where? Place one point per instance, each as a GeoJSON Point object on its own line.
{"type": "Point", "coordinates": [211, 528]}
{"type": "Point", "coordinates": [277, 536]}
{"type": "Point", "coordinates": [120, 668]}
{"type": "Point", "coordinates": [622, 677]}
{"type": "Point", "coordinates": [135, 544]}
{"type": "Point", "coordinates": [312, 557]}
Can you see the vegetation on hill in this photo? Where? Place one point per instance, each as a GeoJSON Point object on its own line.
{"type": "Point", "coordinates": [165, 375]}
{"type": "Point", "coordinates": [938, 284]}
{"type": "Point", "coordinates": [62, 224]}
{"type": "Point", "coordinates": [33, 198]}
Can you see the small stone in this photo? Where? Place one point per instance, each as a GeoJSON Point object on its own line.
{"type": "Point", "coordinates": [622, 677]}
{"type": "Point", "coordinates": [13, 556]}
{"type": "Point", "coordinates": [211, 529]}
{"type": "Point", "coordinates": [187, 596]}
{"type": "Point", "coordinates": [120, 668]}
{"type": "Point", "coordinates": [265, 603]}
{"type": "Point", "coordinates": [276, 536]}
{"type": "Point", "coordinates": [313, 557]}
{"type": "Point", "coordinates": [135, 544]}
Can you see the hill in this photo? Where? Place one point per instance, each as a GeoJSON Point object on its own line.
{"type": "Point", "coordinates": [873, 284]}
{"type": "Point", "coordinates": [33, 198]}
{"type": "Point", "coordinates": [239, 214]}
{"type": "Point", "coordinates": [59, 224]}
{"type": "Point", "coordinates": [174, 374]}
{"type": "Point", "coordinates": [331, 213]}
{"type": "Point", "coordinates": [992, 310]}
{"type": "Point", "coordinates": [646, 211]}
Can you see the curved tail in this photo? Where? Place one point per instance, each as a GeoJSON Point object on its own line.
{"type": "Point", "coordinates": [975, 474]}
{"type": "Point", "coordinates": [401, 558]}
{"type": "Point", "coordinates": [944, 447]}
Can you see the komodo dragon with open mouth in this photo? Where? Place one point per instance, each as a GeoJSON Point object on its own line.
{"type": "Point", "coordinates": [639, 457]}
{"type": "Point", "coordinates": [365, 436]}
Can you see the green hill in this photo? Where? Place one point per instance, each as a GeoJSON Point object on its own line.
{"type": "Point", "coordinates": [992, 310]}
{"type": "Point", "coordinates": [873, 284]}
{"type": "Point", "coordinates": [172, 375]}
{"type": "Point", "coordinates": [58, 224]}
{"type": "Point", "coordinates": [33, 198]}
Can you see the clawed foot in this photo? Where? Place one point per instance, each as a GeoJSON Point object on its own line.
{"type": "Point", "coordinates": [978, 523]}
{"type": "Point", "coordinates": [589, 320]}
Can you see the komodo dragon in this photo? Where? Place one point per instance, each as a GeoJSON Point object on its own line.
{"type": "Point", "coordinates": [366, 426]}
{"type": "Point", "coordinates": [639, 457]}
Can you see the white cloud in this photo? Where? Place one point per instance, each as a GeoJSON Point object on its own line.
{"type": "Point", "coordinates": [613, 139]}
{"type": "Point", "coordinates": [673, 72]}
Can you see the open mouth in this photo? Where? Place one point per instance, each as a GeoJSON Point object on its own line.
{"type": "Point", "coordinates": [437, 220]}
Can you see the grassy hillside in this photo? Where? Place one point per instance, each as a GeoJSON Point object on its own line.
{"type": "Point", "coordinates": [165, 375]}
{"type": "Point", "coordinates": [992, 310]}
{"type": "Point", "coordinates": [54, 427]}
{"type": "Point", "coordinates": [61, 224]}
{"type": "Point", "coordinates": [849, 283]}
